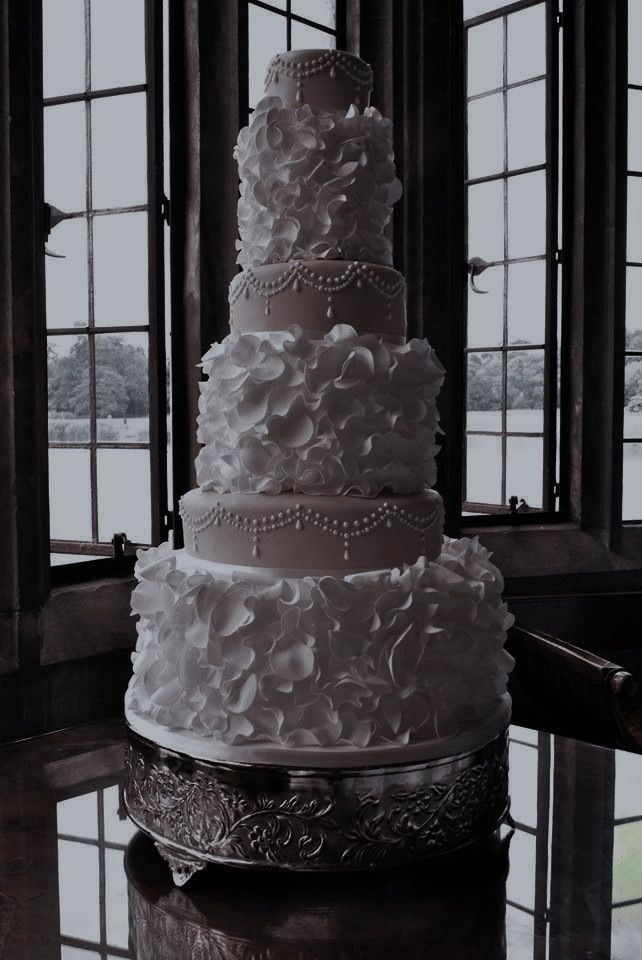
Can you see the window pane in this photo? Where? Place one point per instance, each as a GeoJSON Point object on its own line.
{"type": "Point", "coordinates": [520, 883]}
{"type": "Point", "coordinates": [635, 130]}
{"type": "Point", "coordinates": [486, 220]}
{"type": "Point", "coordinates": [117, 43]}
{"type": "Point", "coordinates": [307, 38]}
{"type": "Point", "coordinates": [483, 469]}
{"type": "Point", "coordinates": [527, 215]}
{"type": "Point", "coordinates": [66, 277]}
{"type": "Point", "coordinates": [635, 31]}
{"type": "Point", "coordinates": [634, 219]}
{"type": "Point", "coordinates": [119, 150]}
{"type": "Point", "coordinates": [520, 933]}
{"type": "Point", "coordinates": [525, 391]}
{"type": "Point", "coordinates": [122, 390]}
{"type": "Point", "coordinates": [124, 494]}
{"type": "Point", "coordinates": [78, 816]}
{"type": "Point", "coordinates": [485, 311]}
{"type": "Point", "coordinates": [79, 902]}
{"type": "Point", "coordinates": [632, 482]}
{"type": "Point", "coordinates": [627, 857]}
{"type": "Point", "coordinates": [68, 389]}
{"type": "Point", "coordinates": [525, 734]}
{"type": "Point", "coordinates": [76, 953]}
{"type": "Point", "coordinates": [120, 269]}
{"type": "Point", "coordinates": [267, 36]}
{"type": "Point", "coordinates": [522, 776]}
{"type": "Point", "coordinates": [526, 53]}
{"type": "Point", "coordinates": [64, 154]}
{"type": "Point", "coordinates": [116, 830]}
{"type": "Point", "coordinates": [321, 11]}
{"type": "Point", "coordinates": [526, 129]}
{"type": "Point", "coordinates": [524, 465]}
{"type": "Point", "coordinates": [58, 559]}
{"type": "Point", "coordinates": [484, 391]}
{"type": "Point", "coordinates": [485, 136]}
{"type": "Point", "coordinates": [628, 802]}
{"type": "Point", "coordinates": [633, 398]}
{"type": "Point", "coordinates": [485, 56]}
{"type": "Point", "coordinates": [69, 494]}
{"type": "Point", "coordinates": [63, 47]}
{"type": "Point", "coordinates": [473, 8]}
{"type": "Point", "coordinates": [634, 308]}
{"type": "Point", "coordinates": [116, 899]}
{"type": "Point", "coordinates": [526, 302]}
{"type": "Point", "coordinates": [626, 923]}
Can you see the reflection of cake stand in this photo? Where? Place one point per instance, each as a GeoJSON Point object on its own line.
{"type": "Point", "coordinates": [411, 912]}
{"type": "Point", "coordinates": [201, 811]}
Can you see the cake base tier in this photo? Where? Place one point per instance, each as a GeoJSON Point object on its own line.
{"type": "Point", "coordinates": [256, 658]}
{"type": "Point", "coordinates": [209, 750]}
{"type": "Point", "coordinates": [201, 812]}
{"type": "Point", "coordinates": [302, 533]}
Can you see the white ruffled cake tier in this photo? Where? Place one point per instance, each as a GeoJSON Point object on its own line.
{"type": "Point", "coordinates": [343, 414]}
{"type": "Point", "coordinates": [261, 665]}
{"type": "Point", "coordinates": [315, 184]}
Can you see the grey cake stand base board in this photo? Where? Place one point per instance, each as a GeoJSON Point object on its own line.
{"type": "Point", "coordinates": [201, 812]}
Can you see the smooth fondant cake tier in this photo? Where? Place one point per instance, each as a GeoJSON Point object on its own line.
{"type": "Point", "coordinates": [345, 414]}
{"type": "Point", "coordinates": [315, 185]}
{"type": "Point", "coordinates": [318, 294]}
{"type": "Point", "coordinates": [384, 657]}
{"type": "Point", "coordinates": [329, 79]}
{"type": "Point", "coordinates": [312, 533]}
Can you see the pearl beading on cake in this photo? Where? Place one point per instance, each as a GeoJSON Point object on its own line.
{"type": "Point", "coordinates": [298, 273]}
{"type": "Point", "coordinates": [330, 61]}
{"type": "Point", "coordinates": [298, 517]}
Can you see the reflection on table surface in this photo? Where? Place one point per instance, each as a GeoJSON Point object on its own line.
{"type": "Point", "coordinates": [78, 882]}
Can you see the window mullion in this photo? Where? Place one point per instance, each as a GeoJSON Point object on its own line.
{"type": "Point", "coordinates": [550, 353]}
{"type": "Point", "coordinates": [91, 343]}
{"type": "Point", "coordinates": [156, 290]}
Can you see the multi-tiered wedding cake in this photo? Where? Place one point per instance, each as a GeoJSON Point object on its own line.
{"type": "Point", "coordinates": [316, 614]}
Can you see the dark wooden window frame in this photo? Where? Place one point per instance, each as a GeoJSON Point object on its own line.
{"type": "Point", "coordinates": [417, 51]}
{"type": "Point", "coordinates": [156, 210]}
{"type": "Point", "coordinates": [551, 258]}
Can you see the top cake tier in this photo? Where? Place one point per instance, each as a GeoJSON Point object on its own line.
{"type": "Point", "coordinates": [316, 168]}
{"type": "Point", "coordinates": [326, 79]}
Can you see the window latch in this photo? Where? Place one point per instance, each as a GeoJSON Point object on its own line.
{"type": "Point", "coordinates": [122, 547]}
{"type": "Point", "coordinates": [164, 209]}
{"type": "Point", "coordinates": [52, 217]}
{"type": "Point", "coordinates": [517, 505]}
{"type": "Point", "coordinates": [475, 267]}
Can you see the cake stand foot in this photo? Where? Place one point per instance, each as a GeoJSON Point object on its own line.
{"type": "Point", "coordinates": [182, 867]}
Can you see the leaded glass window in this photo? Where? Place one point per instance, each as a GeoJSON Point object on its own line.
{"type": "Point", "coordinates": [512, 109]}
{"type": "Point", "coordinates": [103, 171]}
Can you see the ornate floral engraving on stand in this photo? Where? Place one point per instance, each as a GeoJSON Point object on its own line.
{"type": "Point", "coordinates": [415, 814]}
{"type": "Point", "coordinates": [429, 818]}
{"type": "Point", "coordinates": [203, 814]}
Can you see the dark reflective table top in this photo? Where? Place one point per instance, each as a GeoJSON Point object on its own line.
{"type": "Point", "coordinates": [77, 882]}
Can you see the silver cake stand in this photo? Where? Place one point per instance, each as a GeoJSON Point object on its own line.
{"type": "Point", "coordinates": [248, 815]}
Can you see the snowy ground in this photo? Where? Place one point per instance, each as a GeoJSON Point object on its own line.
{"type": "Point", "coordinates": [123, 475]}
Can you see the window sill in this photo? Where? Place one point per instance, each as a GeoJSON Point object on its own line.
{"type": "Point", "coordinates": [556, 559]}
{"type": "Point", "coordinates": [85, 619]}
